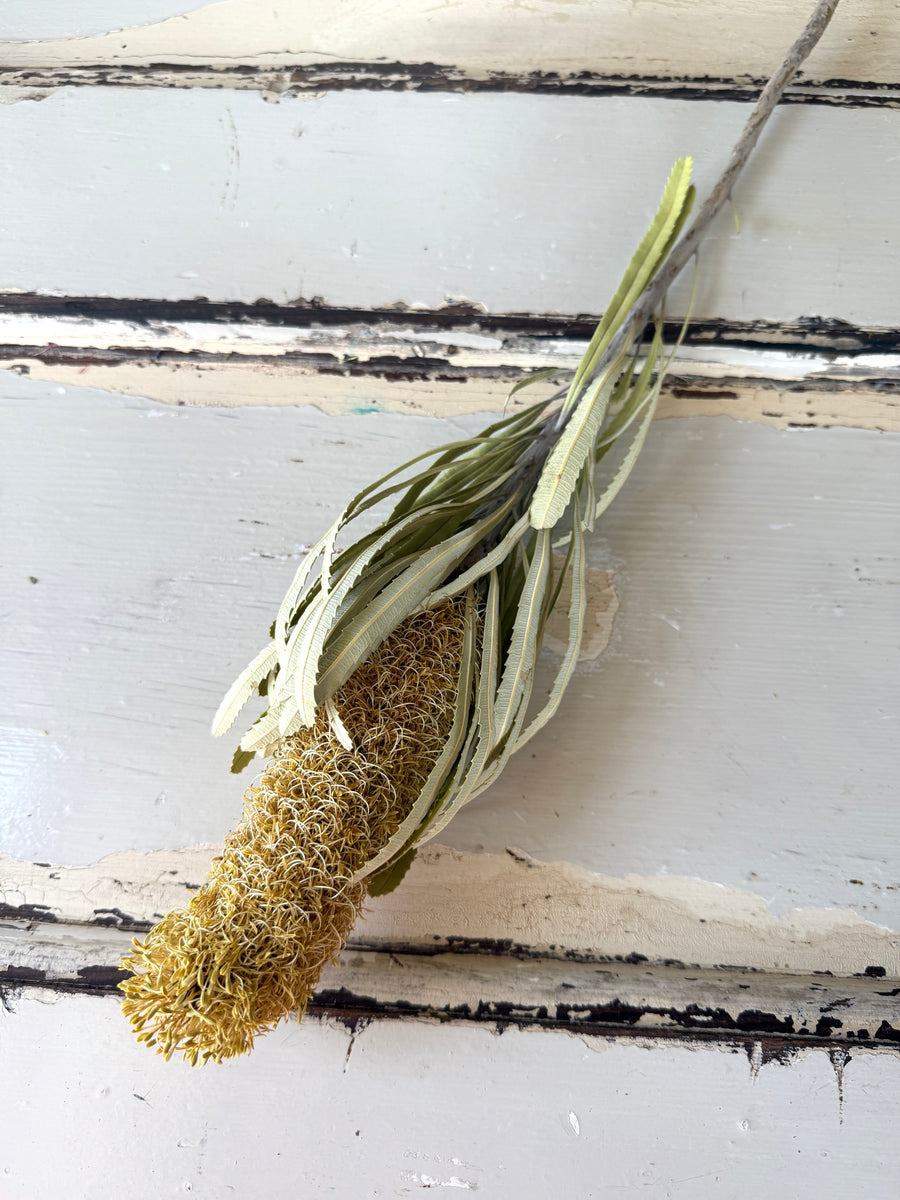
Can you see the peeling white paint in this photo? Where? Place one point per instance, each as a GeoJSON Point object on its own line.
{"type": "Point", "coordinates": [284, 384]}
{"type": "Point", "coordinates": [618, 37]}
{"type": "Point", "coordinates": [600, 612]}
{"type": "Point", "coordinates": [554, 909]}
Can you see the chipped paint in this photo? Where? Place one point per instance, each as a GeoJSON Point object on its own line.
{"type": "Point", "coordinates": [511, 901]}
{"type": "Point", "coordinates": [357, 368]}
{"type": "Point", "coordinates": [515, 990]}
{"type": "Point", "coordinates": [600, 612]}
{"type": "Point", "coordinates": [482, 37]}
{"type": "Point", "coordinates": [346, 390]}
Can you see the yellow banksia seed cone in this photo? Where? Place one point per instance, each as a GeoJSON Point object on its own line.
{"type": "Point", "coordinates": [280, 901]}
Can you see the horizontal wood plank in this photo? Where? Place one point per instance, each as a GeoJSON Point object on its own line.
{"type": "Point", "coordinates": [479, 38]}
{"type": "Point", "coordinates": [505, 204]}
{"type": "Point", "coordinates": [407, 1107]}
{"type": "Point", "coordinates": [443, 372]}
{"type": "Point", "coordinates": [736, 730]}
{"type": "Point", "coordinates": [505, 991]}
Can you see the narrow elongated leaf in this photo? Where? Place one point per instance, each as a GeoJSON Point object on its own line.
{"type": "Point", "coordinates": [484, 565]}
{"type": "Point", "coordinates": [496, 767]}
{"type": "Point", "coordinates": [486, 690]}
{"type": "Point", "coordinates": [638, 395]}
{"type": "Point", "coordinates": [239, 692]}
{"type": "Point", "coordinates": [577, 609]}
{"type": "Point", "coordinates": [265, 730]}
{"type": "Point", "coordinates": [522, 649]}
{"type": "Point", "coordinates": [673, 209]}
{"type": "Point", "coordinates": [338, 728]}
{"type": "Point", "coordinates": [303, 676]}
{"type": "Point", "coordinates": [612, 490]}
{"type": "Point", "coordinates": [289, 603]}
{"type": "Point", "coordinates": [404, 595]}
{"type": "Point", "coordinates": [566, 460]}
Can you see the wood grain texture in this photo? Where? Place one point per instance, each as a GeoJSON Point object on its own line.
{"type": "Point", "coordinates": [343, 377]}
{"type": "Point", "coordinates": [524, 992]}
{"type": "Point", "coordinates": [738, 728]}
{"type": "Point", "coordinates": [509, 203]}
{"type": "Point", "coordinates": [689, 38]}
{"type": "Point", "coordinates": [400, 1108]}
{"type": "Point", "coordinates": [508, 904]}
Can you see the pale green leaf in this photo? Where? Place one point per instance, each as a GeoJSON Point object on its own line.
{"type": "Point", "coordinates": [486, 690]}
{"type": "Point", "coordinates": [673, 209]}
{"type": "Point", "coordinates": [401, 597]}
{"type": "Point", "coordinates": [566, 460]}
{"type": "Point", "coordinates": [522, 649]}
{"type": "Point", "coordinates": [481, 568]}
{"type": "Point", "coordinates": [303, 674]}
{"type": "Point", "coordinates": [239, 692]}
{"type": "Point", "coordinates": [577, 609]}
{"type": "Point", "coordinates": [289, 603]}
{"type": "Point", "coordinates": [337, 726]}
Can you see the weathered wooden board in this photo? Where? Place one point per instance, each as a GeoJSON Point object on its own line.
{"type": "Point", "coordinates": [737, 730]}
{"type": "Point", "coordinates": [59, 919]}
{"type": "Point", "coordinates": [399, 1108]}
{"type": "Point", "coordinates": [525, 991]}
{"type": "Point", "coordinates": [464, 368]}
{"type": "Point", "coordinates": [693, 39]}
{"type": "Point", "coordinates": [507, 203]}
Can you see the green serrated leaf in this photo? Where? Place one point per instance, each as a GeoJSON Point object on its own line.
{"type": "Point", "coordinates": [481, 568]}
{"type": "Point", "coordinates": [522, 650]}
{"type": "Point", "coordinates": [240, 760]}
{"type": "Point", "coordinates": [400, 598]}
{"type": "Point", "coordinates": [577, 609]}
{"type": "Point", "coordinates": [242, 688]}
{"type": "Point", "coordinates": [566, 460]}
{"type": "Point", "coordinates": [677, 198]}
{"type": "Point", "coordinates": [391, 876]}
{"type": "Point", "coordinates": [471, 768]}
{"type": "Point", "coordinates": [305, 671]}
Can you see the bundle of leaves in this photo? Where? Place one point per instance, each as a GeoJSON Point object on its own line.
{"type": "Point", "coordinates": [398, 677]}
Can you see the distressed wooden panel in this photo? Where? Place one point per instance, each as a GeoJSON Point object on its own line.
{"type": "Point", "coordinates": [427, 372]}
{"type": "Point", "coordinates": [738, 728]}
{"type": "Point", "coordinates": [506, 904]}
{"type": "Point", "coordinates": [523, 991]}
{"type": "Point", "coordinates": [397, 1109]}
{"type": "Point", "coordinates": [505, 203]}
{"type": "Point", "coordinates": [690, 38]}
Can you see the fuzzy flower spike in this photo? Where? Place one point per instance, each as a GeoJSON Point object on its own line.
{"type": "Point", "coordinates": [399, 671]}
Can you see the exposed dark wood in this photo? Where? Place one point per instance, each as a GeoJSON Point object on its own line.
{"type": "Point", "coordinates": [433, 77]}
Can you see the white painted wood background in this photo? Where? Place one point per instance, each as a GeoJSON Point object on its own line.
{"type": "Point", "coordinates": [250, 257]}
{"type": "Point", "coordinates": [506, 203]}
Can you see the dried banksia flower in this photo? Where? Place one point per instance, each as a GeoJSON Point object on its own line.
{"type": "Point", "coordinates": [281, 900]}
{"type": "Point", "coordinates": [398, 678]}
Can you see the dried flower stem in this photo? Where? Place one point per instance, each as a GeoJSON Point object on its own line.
{"type": "Point", "coordinates": [688, 245]}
